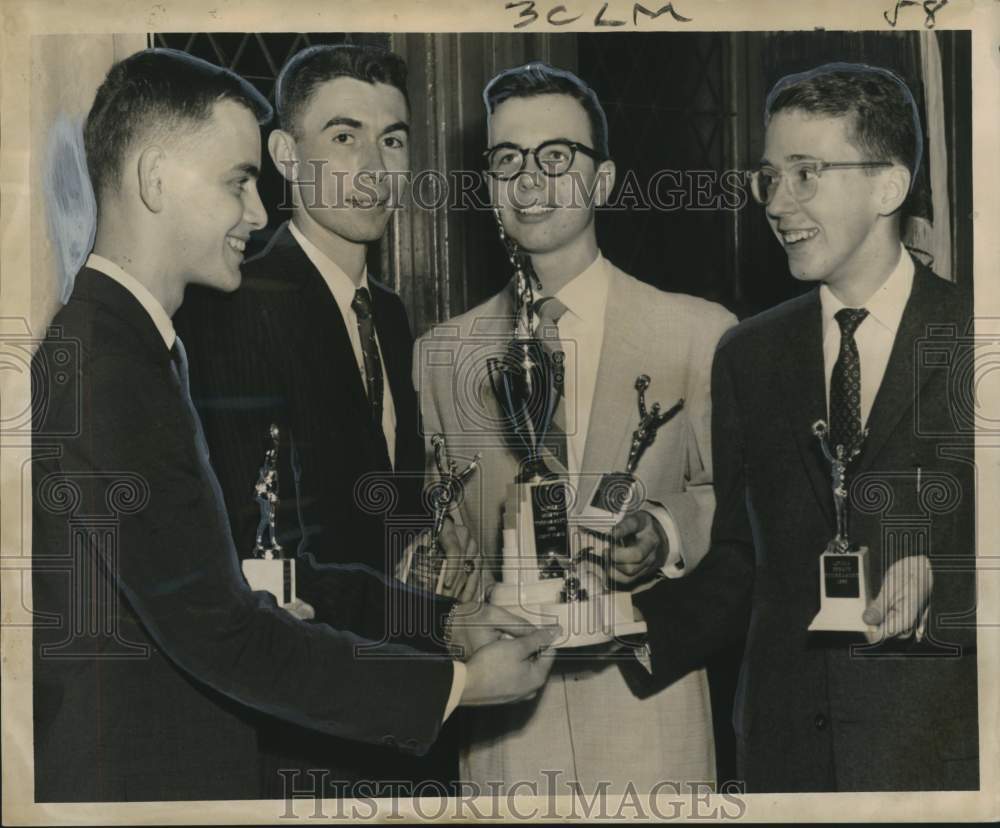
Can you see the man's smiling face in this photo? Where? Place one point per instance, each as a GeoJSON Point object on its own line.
{"type": "Point", "coordinates": [353, 143]}
{"type": "Point", "coordinates": [540, 213]}
{"type": "Point", "coordinates": [830, 237]}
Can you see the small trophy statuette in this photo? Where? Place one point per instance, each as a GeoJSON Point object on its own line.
{"type": "Point", "coordinates": [269, 569]}
{"type": "Point", "coordinates": [425, 567]}
{"type": "Point", "coordinates": [844, 578]}
{"type": "Point", "coordinates": [615, 494]}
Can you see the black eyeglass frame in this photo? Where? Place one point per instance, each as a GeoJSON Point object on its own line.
{"type": "Point", "coordinates": [575, 147]}
{"type": "Point", "coordinates": [817, 166]}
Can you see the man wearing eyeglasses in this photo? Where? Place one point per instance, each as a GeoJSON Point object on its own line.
{"type": "Point", "coordinates": [876, 352]}
{"type": "Point", "coordinates": [549, 169]}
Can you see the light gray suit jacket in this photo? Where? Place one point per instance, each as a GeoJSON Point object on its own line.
{"type": "Point", "coordinates": [672, 338]}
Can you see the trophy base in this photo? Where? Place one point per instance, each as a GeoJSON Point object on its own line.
{"type": "Point", "coordinates": [844, 592]}
{"type": "Point", "coordinates": [597, 619]}
{"type": "Point", "coordinates": [276, 576]}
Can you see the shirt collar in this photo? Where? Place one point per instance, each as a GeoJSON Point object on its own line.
{"type": "Point", "coordinates": [886, 305]}
{"type": "Point", "coordinates": [585, 295]}
{"type": "Point", "coordinates": [142, 295]}
{"type": "Point", "coordinates": [340, 283]}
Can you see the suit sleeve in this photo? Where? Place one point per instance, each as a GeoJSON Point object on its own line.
{"type": "Point", "coordinates": [178, 569]}
{"type": "Point", "coordinates": [691, 509]}
{"type": "Point", "coordinates": [689, 619]}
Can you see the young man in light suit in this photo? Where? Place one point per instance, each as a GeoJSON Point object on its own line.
{"type": "Point", "coordinates": [876, 350]}
{"type": "Point", "coordinates": [548, 154]}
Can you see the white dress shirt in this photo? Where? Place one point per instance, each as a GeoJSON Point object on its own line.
{"type": "Point", "coordinates": [876, 333]}
{"type": "Point", "coordinates": [581, 331]}
{"type": "Point", "coordinates": [166, 328]}
{"type": "Point", "coordinates": [343, 290]}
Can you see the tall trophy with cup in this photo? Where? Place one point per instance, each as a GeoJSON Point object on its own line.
{"type": "Point", "coordinates": [549, 569]}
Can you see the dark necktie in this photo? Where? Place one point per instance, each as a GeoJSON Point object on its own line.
{"type": "Point", "coordinates": [549, 311]}
{"type": "Point", "coordinates": [179, 364]}
{"type": "Point", "coordinates": [362, 306]}
{"type": "Point", "coordinates": [845, 384]}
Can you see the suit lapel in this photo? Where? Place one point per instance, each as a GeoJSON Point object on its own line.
{"type": "Point", "coordinates": [896, 394]}
{"type": "Point", "coordinates": [800, 355]}
{"type": "Point", "coordinates": [322, 335]}
{"type": "Point", "coordinates": [613, 414]}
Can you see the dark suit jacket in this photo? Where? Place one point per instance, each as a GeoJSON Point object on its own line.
{"type": "Point", "coordinates": [811, 714]}
{"type": "Point", "coordinates": [277, 351]}
{"type": "Point", "coordinates": [151, 654]}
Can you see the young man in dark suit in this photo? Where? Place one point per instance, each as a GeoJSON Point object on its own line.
{"type": "Point", "coordinates": [153, 659]}
{"type": "Point", "coordinates": [315, 345]}
{"type": "Point", "coordinates": [816, 712]}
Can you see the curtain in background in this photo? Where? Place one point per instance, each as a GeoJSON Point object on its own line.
{"type": "Point", "coordinates": [930, 237]}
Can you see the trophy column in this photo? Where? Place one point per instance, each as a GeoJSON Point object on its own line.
{"type": "Point", "coordinates": [845, 581]}
{"type": "Point", "coordinates": [269, 570]}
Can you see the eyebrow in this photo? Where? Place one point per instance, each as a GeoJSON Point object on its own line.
{"type": "Point", "coordinates": [249, 169]}
{"type": "Point", "coordinates": [398, 126]}
{"type": "Point", "coordinates": [764, 162]}
{"type": "Point", "coordinates": [354, 123]}
{"type": "Point", "coordinates": [341, 120]}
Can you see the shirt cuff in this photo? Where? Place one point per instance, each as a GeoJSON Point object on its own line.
{"type": "Point", "coordinates": [674, 565]}
{"type": "Point", "coordinates": [457, 688]}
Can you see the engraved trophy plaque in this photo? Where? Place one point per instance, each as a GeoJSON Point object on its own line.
{"type": "Point", "coordinates": [269, 570]}
{"type": "Point", "coordinates": [424, 564]}
{"type": "Point", "coordinates": [845, 584]}
{"type": "Point", "coordinates": [617, 492]}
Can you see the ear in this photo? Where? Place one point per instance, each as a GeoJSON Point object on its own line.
{"type": "Point", "coordinates": [605, 182]}
{"type": "Point", "coordinates": [149, 168]}
{"type": "Point", "coordinates": [282, 149]}
{"type": "Point", "coordinates": [894, 190]}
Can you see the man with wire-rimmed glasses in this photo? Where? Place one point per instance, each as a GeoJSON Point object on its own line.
{"type": "Point", "coordinates": [894, 708]}
{"type": "Point", "coordinates": [549, 168]}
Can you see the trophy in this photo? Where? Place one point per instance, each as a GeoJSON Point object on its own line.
{"type": "Point", "coordinates": [546, 572]}
{"type": "Point", "coordinates": [424, 565]}
{"type": "Point", "coordinates": [617, 492]}
{"type": "Point", "coordinates": [844, 578]}
{"type": "Point", "coordinates": [269, 569]}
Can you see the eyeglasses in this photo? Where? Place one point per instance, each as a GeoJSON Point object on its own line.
{"type": "Point", "coordinates": [553, 158]}
{"type": "Point", "coordinates": [802, 178]}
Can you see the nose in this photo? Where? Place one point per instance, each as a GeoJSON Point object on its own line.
{"type": "Point", "coordinates": [782, 204]}
{"type": "Point", "coordinates": [254, 213]}
{"type": "Point", "coordinates": [531, 173]}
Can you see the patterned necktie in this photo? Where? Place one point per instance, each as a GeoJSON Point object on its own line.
{"type": "Point", "coordinates": [362, 306]}
{"type": "Point", "coordinates": [845, 384]}
{"type": "Point", "coordinates": [549, 311]}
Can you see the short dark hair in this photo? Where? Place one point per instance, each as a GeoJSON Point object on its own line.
{"type": "Point", "coordinates": [316, 65]}
{"type": "Point", "coordinates": [539, 78]}
{"type": "Point", "coordinates": [885, 123]}
{"type": "Point", "coordinates": [156, 90]}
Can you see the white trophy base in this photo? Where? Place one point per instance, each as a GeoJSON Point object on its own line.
{"type": "Point", "coordinates": [598, 619]}
{"type": "Point", "coordinates": [844, 592]}
{"type": "Point", "coordinates": [275, 575]}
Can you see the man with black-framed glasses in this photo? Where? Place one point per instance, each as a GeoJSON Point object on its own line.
{"type": "Point", "coordinates": [876, 351]}
{"type": "Point", "coordinates": [549, 169]}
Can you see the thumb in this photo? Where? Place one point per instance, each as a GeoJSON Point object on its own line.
{"type": "Point", "coordinates": [538, 641]}
{"type": "Point", "coordinates": [874, 613]}
{"type": "Point", "coordinates": [628, 525]}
